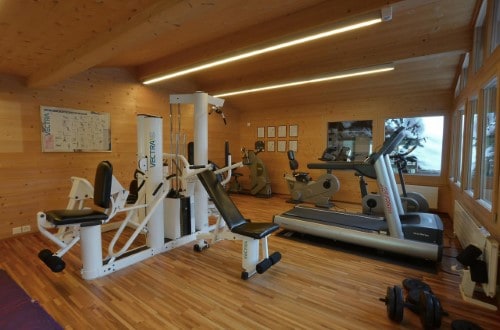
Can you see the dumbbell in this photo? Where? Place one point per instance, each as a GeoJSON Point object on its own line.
{"type": "Point", "coordinates": [421, 301]}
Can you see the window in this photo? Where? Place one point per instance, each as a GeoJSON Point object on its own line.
{"type": "Point", "coordinates": [479, 37]}
{"type": "Point", "coordinates": [472, 146]}
{"type": "Point", "coordinates": [462, 77]}
{"type": "Point", "coordinates": [423, 143]}
{"type": "Point", "coordinates": [459, 146]}
{"type": "Point", "coordinates": [488, 143]}
{"type": "Point", "coordinates": [456, 162]}
{"type": "Point", "coordinates": [465, 69]}
{"type": "Point", "coordinates": [495, 28]}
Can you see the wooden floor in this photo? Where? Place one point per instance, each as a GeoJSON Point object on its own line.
{"type": "Point", "coordinates": [317, 285]}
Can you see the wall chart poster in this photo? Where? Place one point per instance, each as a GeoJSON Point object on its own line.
{"type": "Point", "coordinates": [70, 130]}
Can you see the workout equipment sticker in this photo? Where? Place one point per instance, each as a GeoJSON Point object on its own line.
{"type": "Point", "coordinates": [71, 130]}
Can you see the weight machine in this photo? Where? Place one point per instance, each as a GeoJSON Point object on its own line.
{"type": "Point", "coordinates": [165, 226]}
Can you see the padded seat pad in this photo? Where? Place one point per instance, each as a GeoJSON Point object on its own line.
{"type": "Point", "coordinates": [256, 230]}
{"type": "Point", "coordinates": [68, 217]}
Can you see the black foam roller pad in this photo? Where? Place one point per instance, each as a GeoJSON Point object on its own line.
{"type": "Point", "coordinates": [55, 264]}
{"type": "Point", "coordinates": [275, 257]}
{"type": "Point", "coordinates": [469, 255]}
{"type": "Point", "coordinates": [479, 271]}
{"type": "Point", "coordinates": [263, 265]}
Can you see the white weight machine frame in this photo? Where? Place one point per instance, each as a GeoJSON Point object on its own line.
{"type": "Point", "coordinates": [147, 215]}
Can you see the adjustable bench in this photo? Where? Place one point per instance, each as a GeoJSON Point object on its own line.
{"type": "Point", "coordinates": [250, 233]}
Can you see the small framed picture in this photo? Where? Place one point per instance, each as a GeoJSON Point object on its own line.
{"type": "Point", "coordinates": [281, 146]}
{"type": "Point", "coordinates": [260, 132]}
{"type": "Point", "coordinates": [282, 131]}
{"type": "Point", "coordinates": [293, 130]}
{"type": "Point", "coordinates": [270, 146]}
{"type": "Point", "coordinates": [271, 131]}
{"type": "Point", "coordinates": [292, 145]}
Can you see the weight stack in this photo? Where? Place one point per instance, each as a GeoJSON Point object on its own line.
{"type": "Point", "coordinates": [177, 217]}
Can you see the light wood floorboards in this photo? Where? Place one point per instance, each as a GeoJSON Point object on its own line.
{"type": "Point", "coordinates": [322, 285]}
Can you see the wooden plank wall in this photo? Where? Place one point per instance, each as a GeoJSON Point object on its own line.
{"type": "Point", "coordinates": [32, 181]}
{"type": "Point", "coordinates": [312, 121]}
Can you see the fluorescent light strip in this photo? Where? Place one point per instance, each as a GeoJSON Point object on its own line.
{"type": "Point", "coordinates": [341, 75]}
{"type": "Point", "coordinates": [265, 50]}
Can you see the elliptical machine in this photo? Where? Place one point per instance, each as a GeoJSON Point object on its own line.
{"type": "Point", "coordinates": [412, 201]}
{"type": "Point", "coordinates": [303, 189]}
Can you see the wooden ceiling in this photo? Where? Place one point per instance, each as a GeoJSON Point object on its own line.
{"type": "Point", "coordinates": [48, 41]}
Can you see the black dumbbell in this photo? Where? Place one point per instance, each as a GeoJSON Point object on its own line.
{"type": "Point", "coordinates": [428, 308]}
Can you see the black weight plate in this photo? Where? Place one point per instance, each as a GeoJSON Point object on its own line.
{"type": "Point", "coordinates": [399, 304]}
{"type": "Point", "coordinates": [426, 310]}
{"type": "Point", "coordinates": [411, 284]}
{"type": "Point", "coordinates": [464, 325]}
{"type": "Point", "coordinates": [437, 312]}
{"type": "Point", "coordinates": [390, 302]}
{"type": "Point", "coordinates": [413, 296]}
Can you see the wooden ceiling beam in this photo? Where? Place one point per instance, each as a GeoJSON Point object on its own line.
{"type": "Point", "coordinates": [158, 18]}
{"type": "Point", "coordinates": [401, 51]}
{"type": "Point", "coordinates": [279, 30]}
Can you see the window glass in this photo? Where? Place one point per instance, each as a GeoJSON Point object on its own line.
{"type": "Point", "coordinates": [472, 143]}
{"type": "Point", "coordinates": [423, 143]}
{"type": "Point", "coordinates": [488, 145]}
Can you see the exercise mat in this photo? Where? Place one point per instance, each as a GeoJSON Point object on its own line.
{"type": "Point", "coordinates": [18, 310]}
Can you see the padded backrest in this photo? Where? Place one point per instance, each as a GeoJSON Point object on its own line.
{"type": "Point", "coordinates": [294, 164]}
{"type": "Point", "coordinates": [223, 203]}
{"type": "Point", "coordinates": [102, 184]}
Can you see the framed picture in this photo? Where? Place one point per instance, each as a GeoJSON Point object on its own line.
{"type": "Point", "coordinates": [271, 131]}
{"type": "Point", "coordinates": [293, 130]}
{"type": "Point", "coordinates": [270, 146]}
{"type": "Point", "coordinates": [282, 131]}
{"type": "Point", "coordinates": [260, 132]}
{"type": "Point", "coordinates": [292, 145]}
{"type": "Point", "coordinates": [281, 146]}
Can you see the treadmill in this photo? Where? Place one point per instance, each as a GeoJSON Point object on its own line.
{"type": "Point", "coordinates": [415, 234]}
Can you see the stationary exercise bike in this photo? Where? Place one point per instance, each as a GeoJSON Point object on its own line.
{"type": "Point", "coordinates": [303, 189]}
{"type": "Point", "coordinates": [260, 184]}
{"type": "Point", "coordinates": [412, 201]}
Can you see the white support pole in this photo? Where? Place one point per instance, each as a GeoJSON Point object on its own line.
{"type": "Point", "coordinates": [91, 244]}
{"type": "Point", "coordinates": [200, 100]}
{"type": "Point", "coordinates": [150, 148]}
{"type": "Point", "coordinates": [200, 158]}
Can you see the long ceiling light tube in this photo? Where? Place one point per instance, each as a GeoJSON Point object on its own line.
{"type": "Point", "coordinates": [339, 75]}
{"type": "Point", "coordinates": [325, 34]}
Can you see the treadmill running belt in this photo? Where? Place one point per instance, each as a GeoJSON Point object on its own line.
{"type": "Point", "coordinates": [347, 220]}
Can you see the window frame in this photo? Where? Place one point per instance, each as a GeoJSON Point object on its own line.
{"type": "Point", "coordinates": [483, 109]}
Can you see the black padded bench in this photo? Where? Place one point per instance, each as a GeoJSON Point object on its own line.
{"type": "Point", "coordinates": [249, 232]}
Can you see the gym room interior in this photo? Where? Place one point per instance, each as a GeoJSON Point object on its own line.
{"type": "Point", "coordinates": [112, 85]}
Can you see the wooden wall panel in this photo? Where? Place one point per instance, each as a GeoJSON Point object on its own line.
{"type": "Point", "coordinates": [312, 121]}
{"type": "Point", "coordinates": [33, 181]}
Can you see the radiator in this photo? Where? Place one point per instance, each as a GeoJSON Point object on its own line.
{"type": "Point", "coordinates": [469, 231]}
{"type": "Point", "coordinates": [430, 193]}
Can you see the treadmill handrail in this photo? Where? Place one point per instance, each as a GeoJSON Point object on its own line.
{"type": "Point", "coordinates": [365, 167]}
